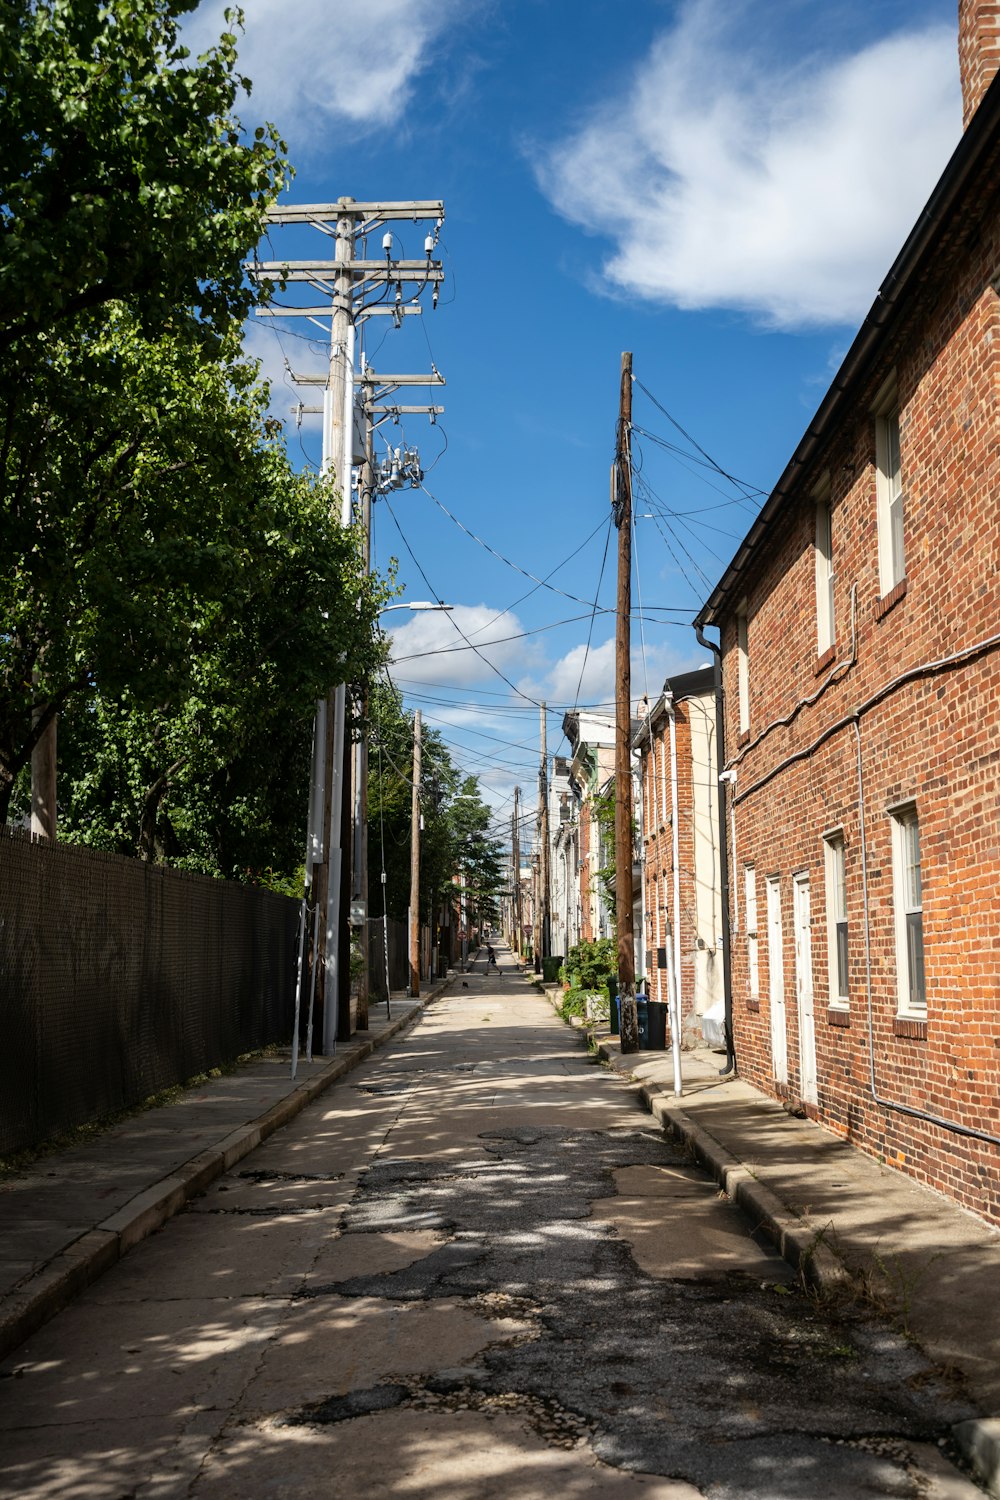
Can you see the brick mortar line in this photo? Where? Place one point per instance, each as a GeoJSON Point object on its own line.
{"type": "Point", "coordinates": [80, 1263]}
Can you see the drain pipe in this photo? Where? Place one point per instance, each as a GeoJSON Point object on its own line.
{"type": "Point", "coordinates": [720, 740]}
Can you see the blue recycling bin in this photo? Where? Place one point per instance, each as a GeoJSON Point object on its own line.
{"type": "Point", "coordinates": [642, 1016]}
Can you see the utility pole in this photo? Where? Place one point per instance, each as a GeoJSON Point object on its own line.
{"type": "Point", "coordinates": [544, 874]}
{"type": "Point", "coordinates": [516, 858]}
{"type": "Point", "coordinates": [347, 281]}
{"type": "Point", "coordinates": [415, 863]}
{"type": "Point", "coordinates": [621, 506]}
{"type": "Point", "coordinates": [43, 782]}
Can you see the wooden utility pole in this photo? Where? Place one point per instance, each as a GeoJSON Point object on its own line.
{"type": "Point", "coordinates": [415, 863]}
{"type": "Point", "coordinates": [516, 863]}
{"type": "Point", "coordinates": [621, 506]}
{"type": "Point", "coordinates": [544, 914]}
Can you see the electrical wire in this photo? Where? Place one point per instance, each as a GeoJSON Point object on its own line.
{"type": "Point", "coordinates": [748, 491]}
{"type": "Point", "coordinates": [461, 632]}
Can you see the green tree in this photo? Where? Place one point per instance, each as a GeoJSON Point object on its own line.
{"type": "Point", "coordinates": [455, 840]}
{"type": "Point", "coordinates": [125, 174]}
{"type": "Point", "coordinates": [134, 466]}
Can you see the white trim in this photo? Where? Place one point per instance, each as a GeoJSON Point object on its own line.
{"type": "Point", "coordinates": [835, 880]}
{"type": "Point", "coordinates": [906, 904]}
{"type": "Point", "coordinates": [889, 498]}
{"type": "Point", "coordinates": [776, 980]}
{"type": "Point", "coordinates": [826, 632]}
{"type": "Point", "coordinates": [743, 667]}
{"type": "Point", "coordinates": [750, 908]}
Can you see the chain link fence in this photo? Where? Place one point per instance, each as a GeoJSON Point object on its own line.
{"type": "Point", "coordinates": [119, 978]}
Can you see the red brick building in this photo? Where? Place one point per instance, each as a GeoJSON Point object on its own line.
{"type": "Point", "coordinates": [681, 915]}
{"type": "Point", "coordinates": [860, 627]}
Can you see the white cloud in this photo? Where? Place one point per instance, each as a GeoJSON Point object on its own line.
{"type": "Point", "coordinates": [725, 180]}
{"type": "Point", "coordinates": [430, 647]}
{"type": "Point", "coordinates": [562, 683]}
{"type": "Point", "coordinates": [353, 63]}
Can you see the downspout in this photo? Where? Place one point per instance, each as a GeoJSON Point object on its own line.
{"type": "Point", "coordinates": [720, 732]}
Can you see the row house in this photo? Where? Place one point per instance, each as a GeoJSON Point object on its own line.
{"type": "Point", "coordinates": [860, 637]}
{"type": "Point", "coordinates": [592, 741]}
{"type": "Point", "coordinates": [565, 906]}
{"type": "Point", "coordinates": [680, 912]}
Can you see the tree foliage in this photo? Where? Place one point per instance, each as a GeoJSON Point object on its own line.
{"type": "Point", "coordinates": [124, 175]}
{"type": "Point", "coordinates": [170, 587]}
{"type": "Point", "coordinates": [455, 841]}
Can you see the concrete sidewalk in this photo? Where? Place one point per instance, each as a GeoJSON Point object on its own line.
{"type": "Point", "coordinates": [853, 1227]}
{"type": "Point", "coordinates": [72, 1214]}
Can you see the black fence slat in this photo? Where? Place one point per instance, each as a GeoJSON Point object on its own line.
{"type": "Point", "coordinates": [119, 979]}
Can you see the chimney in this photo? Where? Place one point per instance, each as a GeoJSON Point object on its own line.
{"type": "Point", "coordinates": [978, 51]}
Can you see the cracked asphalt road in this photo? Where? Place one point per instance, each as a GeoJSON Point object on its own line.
{"type": "Point", "coordinates": [474, 1268]}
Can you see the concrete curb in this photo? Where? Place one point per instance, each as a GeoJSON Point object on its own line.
{"type": "Point", "coordinates": [70, 1272]}
{"type": "Point", "coordinates": [797, 1239]}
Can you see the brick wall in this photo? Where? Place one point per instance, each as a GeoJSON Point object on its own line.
{"type": "Point", "coordinates": [870, 742]}
{"type": "Point", "coordinates": [978, 50]}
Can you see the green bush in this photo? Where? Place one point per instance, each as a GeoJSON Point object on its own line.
{"type": "Point", "coordinates": [595, 964]}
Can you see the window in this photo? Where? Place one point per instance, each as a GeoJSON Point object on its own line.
{"type": "Point", "coordinates": [825, 629]}
{"type": "Point", "coordinates": [909, 911]}
{"type": "Point", "coordinates": [889, 487]}
{"type": "Point", "coordinates": [743, 669]}
{"type": "Point", "coordinates": [836, 917]}
{"type": "Point", "coordinates": [750, 906]}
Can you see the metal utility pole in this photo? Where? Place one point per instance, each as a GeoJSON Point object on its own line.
{"type": "Point", "coordinates": [545, 915]}
{"type": "Point", "coordinates": [415, 863]}
{"type": "Point", "coordinates": [621, 505]}
{"type": "Point", "coordinates": [43, 782]}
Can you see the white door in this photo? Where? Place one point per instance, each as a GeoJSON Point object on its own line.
{"type": "Point", "coordinates": [776, 981]}
{"type": "Point", "coordinates": [804, 990]}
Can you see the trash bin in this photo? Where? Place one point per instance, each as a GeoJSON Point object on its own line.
{"type": "Point", "coordinates": [657, 1025]}
{"type": "Point", "coordinates": [551, 967]}
{"type": "Point", "coordinates": [642, 1015]}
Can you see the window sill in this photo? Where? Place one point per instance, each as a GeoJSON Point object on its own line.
{"type": "Point", "coordinates": [826, 660]}
{"type": "Point", "coordinates": [911, 1026]}
{"type": "Point", "coordinates": [838, 1015]}
{"type": "Point", "coordinates": [752, 1004]}
{"type": "Point", "coordinates": [890, 600]}
{"type": "Point", "coordinates": [743, 738]}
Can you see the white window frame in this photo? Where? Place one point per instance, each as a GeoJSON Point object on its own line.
{"type": "Point", "coordinates": [750, 913]}
{"type": "Point", "coordinates": [826, 632]}
{"type": "Point", "coordinates": [743, 667]}
{"type": "Point", "coordinates": [889, 491]}
{"type": "Point", "coordinates": [908, 909]}
{"type": "Point", "coordinates": [837, 928]}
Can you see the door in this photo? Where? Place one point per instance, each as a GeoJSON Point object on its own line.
{"type": "Point", "coordinates": [804, 990]}
{"type": "Point", "coordinates": [776, 981]}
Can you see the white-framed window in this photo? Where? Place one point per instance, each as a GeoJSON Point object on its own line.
{"type": "Point", "coordinates": [743, 667]}
{"type": "Point", "coordinates": [750, 913]}
{"type": "Point", "coordinates": [835, 863]}
{"type": "Point", "coordinates": [826, 632]}
{"type": "Point", "coordinates": [889, 496]}
{"type": "Point", "coordinates": [908, 904]}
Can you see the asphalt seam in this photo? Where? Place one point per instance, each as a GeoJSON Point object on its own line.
{"type": "Point", "coordinates": [80, 1263]}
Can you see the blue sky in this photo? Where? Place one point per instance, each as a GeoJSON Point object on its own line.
{"type": "Point", "coordinates": [717, 186]}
